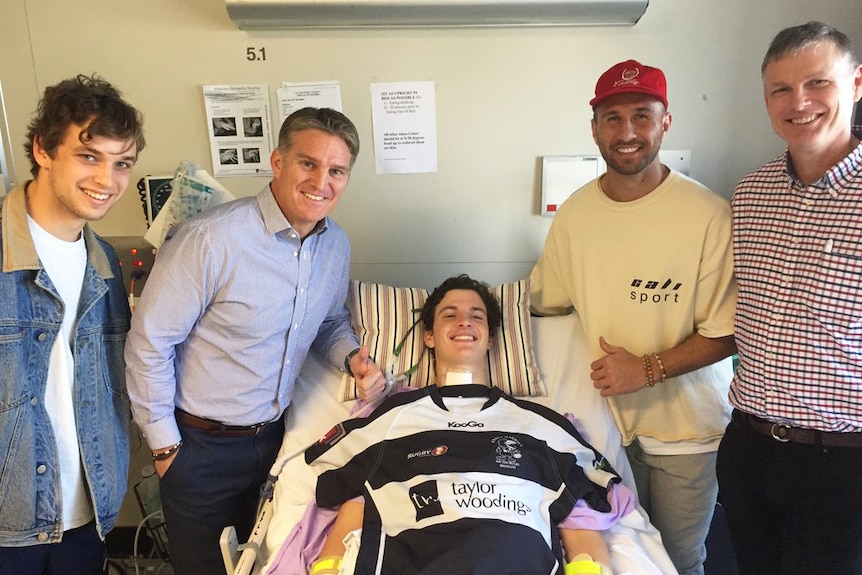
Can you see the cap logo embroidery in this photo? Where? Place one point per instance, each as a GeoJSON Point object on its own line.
{"type": "Point", "coordinates": [629, 77]}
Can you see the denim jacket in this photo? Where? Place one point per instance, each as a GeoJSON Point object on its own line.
{"type": "Point", "coordinates": [30, 319]}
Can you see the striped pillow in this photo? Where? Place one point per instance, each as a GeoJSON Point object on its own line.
{"type": "Point", "coordinates": [383, 317]}
{"type": "Point", "coordinates": [511, 363]}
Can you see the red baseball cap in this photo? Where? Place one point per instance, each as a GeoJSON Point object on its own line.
{"type": "Point", "coordinates": [631, 76]}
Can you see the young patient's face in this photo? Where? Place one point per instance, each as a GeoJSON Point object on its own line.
{"type": "Point", "coordinates": [460, 336]}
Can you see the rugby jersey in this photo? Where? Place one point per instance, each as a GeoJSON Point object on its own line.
{"type": "Point", "coordinates": [798, 263]}
{"type": "Point", "coordinates": [460, 479]}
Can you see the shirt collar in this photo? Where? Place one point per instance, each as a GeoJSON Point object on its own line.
{"type": "Point", "coordinates": [837, 178]}
{"type": "Point", "coordinates": [273, 218]}
{"type": "Point", "coordinates": [438, 394]}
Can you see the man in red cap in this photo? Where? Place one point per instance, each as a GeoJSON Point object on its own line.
{"type": "Point", "coordinates": [643, 255]}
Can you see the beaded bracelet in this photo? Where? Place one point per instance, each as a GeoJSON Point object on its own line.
{"type": "Point", "coordinates": [648, 376]}
{"type": "Point", "coordinates": [660, 367]}
{"type": "Point", "coordinates": [162, 455]}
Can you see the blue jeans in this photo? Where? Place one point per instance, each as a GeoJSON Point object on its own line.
{"type": "Point", "coordinates": [791, 508]}
{"type": "Point", "coordinates": [212, 483]}
{"type": "Point", "coordinates": [678, 492]}
{"type": "Point", "coordinates": [81, 552]}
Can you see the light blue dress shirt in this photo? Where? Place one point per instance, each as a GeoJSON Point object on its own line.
{"type": "Point", "coordinates": [233, 304]}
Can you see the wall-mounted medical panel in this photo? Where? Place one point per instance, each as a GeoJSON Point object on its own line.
{"type": "Point", "coordinates": [564, 175]}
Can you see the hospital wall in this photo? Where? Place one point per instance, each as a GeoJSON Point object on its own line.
{"type": "Point", "coordinates": [505, 98]}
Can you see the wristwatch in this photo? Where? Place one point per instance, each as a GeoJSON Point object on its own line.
{"type": "Point", "coordinates": [347, 362]}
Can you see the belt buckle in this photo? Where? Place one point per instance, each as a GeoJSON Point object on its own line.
{"type": "Point", "coordinates": [780, 432]}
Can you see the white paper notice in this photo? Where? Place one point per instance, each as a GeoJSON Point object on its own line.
{"type": "Point", "coordinates": [405, 127]}
{"type": "Point", "coordinates": [240, 135]}
{"type": "Point", "coordinates": [293, 96]}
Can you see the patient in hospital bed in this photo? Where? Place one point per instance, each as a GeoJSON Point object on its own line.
{"type": "Point", "coordinates": [460, 477]}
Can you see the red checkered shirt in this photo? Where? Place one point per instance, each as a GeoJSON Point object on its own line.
{"type": "Point", "coordinates": [798, 261]}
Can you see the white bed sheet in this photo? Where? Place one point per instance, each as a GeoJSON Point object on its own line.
{"type": "Point", "coordinates": [563, 360]}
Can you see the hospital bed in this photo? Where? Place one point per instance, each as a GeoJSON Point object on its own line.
{"type": "Point", "coordinates": [562, 361]}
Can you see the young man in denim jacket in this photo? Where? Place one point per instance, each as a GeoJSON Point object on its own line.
{"type": "Point", "coordinates": [64, 411]}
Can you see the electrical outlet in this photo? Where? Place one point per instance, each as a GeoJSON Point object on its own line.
{"type": "Point", "coordinates": [136, 258]}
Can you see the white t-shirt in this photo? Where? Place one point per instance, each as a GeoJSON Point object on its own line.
{"type": "Point", "coordinates": [65, 263]}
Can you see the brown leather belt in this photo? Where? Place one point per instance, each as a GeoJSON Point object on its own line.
{"type": "Point", "coordinates": [783, 433]}
{"type": "Point", "coordinates": [212, 427]}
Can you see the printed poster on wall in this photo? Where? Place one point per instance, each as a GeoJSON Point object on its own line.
{"type": "Point", "coordinates": [295, 95]}
{"type": "Point", "coordinates": [240, 134]}
{"type": "Point", "coordinates": [404, 115]}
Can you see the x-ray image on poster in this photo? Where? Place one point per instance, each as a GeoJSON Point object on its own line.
{"type": "Point", "coordinates": [405, 127]}
{"type": "Point", "coordinates": [240, 134]}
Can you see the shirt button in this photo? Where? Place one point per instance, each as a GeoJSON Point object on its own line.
{"type": "Point", "coordinates": [34, 401]}
{"type": "Point", "coordinates": [41, 469]}
{"type": "Point", "coordinates": [43, 537]}
{"type": "Point", "coordinates": [295, 254]}
{"type": "Point", "coordinates": [42, 336]}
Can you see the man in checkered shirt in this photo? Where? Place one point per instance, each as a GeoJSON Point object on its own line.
{"type": "Point", "coordinates": [790, 464]}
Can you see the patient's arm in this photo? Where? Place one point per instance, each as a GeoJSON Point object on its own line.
{"type": "Point", "coordinates": [349, 518]}
{"type": "Point", "coordinates": [576, 541]}
{"type": "Point", "coordinates": [350, 515]}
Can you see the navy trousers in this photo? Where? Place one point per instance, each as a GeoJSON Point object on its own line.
{"type": "Point", "coordinates": [81, 552]}
{"type": "Point", "coordinates": [791, 508]}
{"type": "Point", "coordinates": [213, 482]}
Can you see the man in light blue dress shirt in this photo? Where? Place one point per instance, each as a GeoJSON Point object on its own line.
{"type": "Point", "coordinates": [234, 302]}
